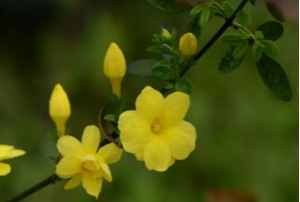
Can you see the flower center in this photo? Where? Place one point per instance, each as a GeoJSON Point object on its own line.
{"type": "Point", "coordinates": [90, 162]}
{"type": "Point", "coordinates": [155, 128]}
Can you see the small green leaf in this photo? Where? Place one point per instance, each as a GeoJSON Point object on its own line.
{"type": "Point", "coordinates": [167, 6]}
{"type": "Point", "coordinates": [243, 18]}
{"type": "Point", "coordinates": [257, 51]}
{"type": "Point", "coordinates": [232, 38]}
{"type": "Point", "coordinates": [157, 49]}
{"type": "Point", "coordinates": [194, 27]}
{"type": "Point", "coordinates": [272, 30]}
{"type": "Point", "coordinates": [275, 12]}
{"type": "Point", "coordinates": [228, 63]}
{"type": "Point", "coordinates": [162, 70]}
{"type": "Point", "coordinates": [259, 35]}
{"type": "Point", "coordinates": [197, 9]}
{"type": "Point", "coordinates": [242, 33]}
{"type": "Point", "coordinates": [183, 85]}
{"type": "Point", "coordinates": [111, 96]}
{"type": "Point", "coordinates": [204, 17]}
{"type": "Point", "coordinates": [228, 9]}
{"type": "Point", "coordinates": [252, 2]}
{"type": "Point", "coordinates": [274, 77]}
{"type": "Point", "coordinates": [270, 48]}
{"type": "Point", "coordinates": [141, 67]}
{"type": "Point", "coordinates": [53, 135]}
{"type": "Point", "coordinates": [168, 85]}
{"type": "Point", "coordinates": [110, 118]}
{"type": "Point", "coordinates": [241, 49]}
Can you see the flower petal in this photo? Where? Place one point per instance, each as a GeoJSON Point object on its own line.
{"type": "Point", "coordinates": [68, 166]}
{"type": "Point", "coordinates": [135, 135]}
{"type": "Point", "coordinates": [69, 145]}
{"type": "Point", "coordinates": [4, 149]}
{"type": "Point", "coordinates": [110, 153]}
{"type": "Point", "coordinates": [4, 169]}
{"type": "Point", "coordinates": [126, 118]}
{"type": "Point", "coordinates": [91, 184]}
{"type": "Point", "coordinates": [15, 153]}
{"type": "Point", "coordinates": [172, 162]}
{"type": "Point", "coordinates": [180, 142]}
{"type": "Point", "coordinates": [149, 103]}
{"type": "Point", "coordinates": [73, 182]}
{"type": "Point", "coordinates": [139, 156]}
{"type": "Point", "coordinates": [106, 171]}
{"type": "Point", "coordinates": [176, 106]}
{"type": "Point", "coordinates": [157, 155]}
{"type": "Point", "coordinates": [91, 139]}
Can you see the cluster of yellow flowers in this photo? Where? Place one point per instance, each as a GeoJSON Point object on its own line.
{"type": "Point", "coordinates": [155, 132]}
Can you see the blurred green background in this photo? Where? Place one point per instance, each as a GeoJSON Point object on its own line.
{"type": "Point", "coordinates": [247, 138]}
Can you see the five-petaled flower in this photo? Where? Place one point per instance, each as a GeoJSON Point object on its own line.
{"type": "Point", "coordinates": [115, 67]}
{"type": "Point", "coordinates": [156, 132]}
{"type": "Point", "coordinates": [8, 152]}
{"type": "Point", "coordinates": [59, 108]}
{"type": "Point", "coordinates": [83, 163]}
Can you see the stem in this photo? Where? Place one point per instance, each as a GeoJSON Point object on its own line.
{"type": "Point", "coordinates": [49, 180]}
{"type": "Point", "coordinates": [224, 27]}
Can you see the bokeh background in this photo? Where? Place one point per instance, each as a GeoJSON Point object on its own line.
{"type": "Point", "coordinates": [247, 138]}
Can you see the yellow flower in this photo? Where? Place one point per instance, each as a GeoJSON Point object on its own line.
{"type": "Point", "coordinates": [156, 132]}
{"type": "Point", "coordinates": [115, 67]}
{"type": "Point", "coordinates": [59, 108]}
{"type": "Point", "coordinates": [188, 45]}
{"type": "Point", "coordinates": [83, 163]}
{"type": "Point", "coordinates": [165, 33]}
{"type": "Point", "coordinates": [8, 152]}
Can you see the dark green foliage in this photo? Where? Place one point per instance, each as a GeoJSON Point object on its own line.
{"type": "Point", "coordinates": [228, 63]}
{"type": "Point", "coordinates": [184, 85]}
{"type": "Point", "coordinates": [274, 77]}
{"type": "Point", "coordinates": [272, 30]}
{"type": "Point", "coordinates": [275, 12]}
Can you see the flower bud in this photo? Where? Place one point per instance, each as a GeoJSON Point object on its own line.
{"type": "Point", "coordinates": [165, 33]}
{"type": "Point", "coordinates": [59, 108]}
{"type": "Point", "coordinates": [115, 67]}
{"type": "Point", "coordinates": [187, 45]}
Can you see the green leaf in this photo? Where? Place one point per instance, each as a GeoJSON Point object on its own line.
{"type": "Point", "coordinates": [272, 30]}
{"type": "Point", "coordinates": [110, 118]}
{"type": "Point", "coordinates": [232, 38]}
{"type": "Point", "coordinates": [194, 27]}
{"type": "Point", "coordinates": [274, 77]}
{"type": "Point", "coordinates": [168, 85]}
{"type": "Point", "coordinates": [53, 135]}
{"type": "Point", "coordinates": [270, 48]}
{"type": "Point", "coordinates": [243, 18]}
{"type": "Point", "coordinates": [259, 35]}
{"type": "Point", "coordinates": [167, 6]}
{"type": "Point", "coordinates": [228, 9]}
{"type": "Point", "coordinates": [162, 70]}
{"type": "Point", "coordinates": [228, 63]}
{"type": "Point", "coordinates": [275, 12]}
{"type": "Point", "coordinates": [111, 96]}
{"type": "Point", "coordinates": [204, 17]}
{"type": "Point", "coordinates": [241, 49]}
{"type": "Point", "coordinates": [252, 2]}
{"type": "Point", "coordinates": [257, 51]}
{"type": "Point", "coordinates": [184, 85]}
{"type": "Point", "coordinates": [157, 49]}
{"type": "Point", "coordinates": [141, 67]}
{"type": "Point", "coordinates": [197, 9]}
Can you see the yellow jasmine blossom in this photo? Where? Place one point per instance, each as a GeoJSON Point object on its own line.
{"type": "Point", "coordinates": [8, 152]}
{"type": "Point", "coordinates": [156, 132]}
{"type": "Point", "coordinates": [165, 33]}
{"type": "Point", "coordinates": [115, 67]}
{"type": "Point", "coordinates": [188, 45]}
{"type": "Point", "coordinates": [59, 108]}
{"type": "Point", "coordinates": [83, 163]}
